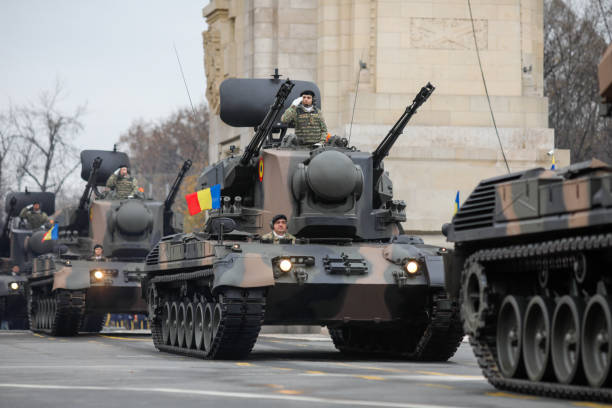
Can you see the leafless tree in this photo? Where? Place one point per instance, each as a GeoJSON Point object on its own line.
{"type": "Point", "coordinates": [7, 139]}
{"type": "Point", "coordinates": [158, 149]}
{"type": "Point", "coordinates": [45, 136]}
{"type": "Point", "coordinates": [573, 45]}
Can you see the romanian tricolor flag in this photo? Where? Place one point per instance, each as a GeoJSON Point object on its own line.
{"type": "Point", "coordinates": [553, 163]}
{"type": "Point", "coordinates": [51, 234]}
{"type": "Point", "coordinates": [456, 202]}
{"type": "Point", "coordinates": [209, 198]}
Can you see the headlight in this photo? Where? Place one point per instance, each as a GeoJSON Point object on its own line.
{"type": "Point", "coordinates": [14, 285]}
{"type": "Point", "coordinates": [412, 267]}
{"type": "Point", "coordinates": [98, 275]}
{"type": "Point", "coordinates": [285, 265]}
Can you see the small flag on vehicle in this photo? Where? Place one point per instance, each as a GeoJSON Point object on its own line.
{"type": "Point", "coordinates": [207, 199]}
{"type": "Point", "coordinates": [456, 202]}
{"type": "Point", "coordinates": [50, 235]}
{"type": "Point", "coordinates": [553, 162]}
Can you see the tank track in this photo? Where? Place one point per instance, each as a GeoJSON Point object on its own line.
{"type": "Point", "coordinates": [67, 309]}
{"type": "Point", "coordinates": [439, 341]}
{"type": "Point", "coordinates": [242, 316]}
{"type": "Point", "coordinates": [484, 341]}
{"type": "Point", "coordinates": [92, 323]}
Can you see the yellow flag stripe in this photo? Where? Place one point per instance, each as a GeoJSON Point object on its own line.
{"type": "Point", "coordinates": [205, 199]}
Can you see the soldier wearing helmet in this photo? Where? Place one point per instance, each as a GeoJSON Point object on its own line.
{"type": "Point", "coordinates": [279, 230]}
{"type": "Point", "coordinates": [123, 185]}
{"type": "Point", "coordinates": [310, 127]}
{"type": "Point", "coordinates": [34, 216]}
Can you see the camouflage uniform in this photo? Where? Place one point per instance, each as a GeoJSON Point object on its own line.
{"type": "Point", "coordinates": [98, 258]}
{"type": "Point", "coordinates": [310, 126]}
{"type": "Point", "coordinates": [35, 219]}
{"type": "Point", "coordinates": [124, 186]}
{"type": "Point", "coordinates": [270, 236]}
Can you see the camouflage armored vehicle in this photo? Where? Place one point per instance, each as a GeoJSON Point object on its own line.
{"type": "Point", "coordinates": [15, 249]}
{"type": "Point", "coordinates": [351, 268]}
{"type": "Point", "coordinates": [69, 290]}
{"type": "Point", "coordinates": [530, 269]}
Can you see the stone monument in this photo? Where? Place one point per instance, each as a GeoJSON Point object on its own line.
{"type": "Point", "coordinates": [370, 57]}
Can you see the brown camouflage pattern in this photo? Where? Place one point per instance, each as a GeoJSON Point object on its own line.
{"type": "Point", "coordinates": [535, 201]}
{"type": "Point", "coordinates": [76, 275]}
{"type": "Point", "coordinates": [310, 127]}
{"type": "Point", "coordinates": [339, 296]}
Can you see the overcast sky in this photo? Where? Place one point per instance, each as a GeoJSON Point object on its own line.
{"type": "Point", "coordinates": [116, 57]}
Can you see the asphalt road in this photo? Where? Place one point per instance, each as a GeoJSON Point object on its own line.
{"type": "Point", "coordinates": [125, 370]}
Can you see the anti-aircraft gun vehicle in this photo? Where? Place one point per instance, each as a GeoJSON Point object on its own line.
{"type": "Point", "coordinates": [351, 268]}
{"type": "Point", "coordinates": [68, 290]}
{"type": "Point", "coordinates": [532, 271]}
{"type": "Point", "coordinates": [17, 245]}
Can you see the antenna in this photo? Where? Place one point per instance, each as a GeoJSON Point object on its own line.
{"type": "Point", "coordinates": [184, 81]}
{"type": "Point", "coordinates": [485, 87]}
{"type": "Point", "coordinates": [362, 65]}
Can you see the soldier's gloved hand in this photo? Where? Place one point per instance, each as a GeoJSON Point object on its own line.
{"type": "Point", "coordinates": [296, 101]}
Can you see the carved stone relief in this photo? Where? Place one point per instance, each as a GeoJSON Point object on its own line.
{"type": "Point", "coordinates": [448, 34]}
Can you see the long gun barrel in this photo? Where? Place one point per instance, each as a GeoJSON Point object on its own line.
{"type": "Point", "coordinates": [385, 146]}
{"type": "Point", "coordinates": [265, 127]}
{"type": "Point", "coordinates": [172, 196]}
{"type": "Point", "coordinates": [91, 183]}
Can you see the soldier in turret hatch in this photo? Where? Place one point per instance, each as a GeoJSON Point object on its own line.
{"type": "Point", "coordinates": [279, 230]}
{"type": "Point", "coordinates": [34, 216]}
{"type": "Point", "coordinates": [15, 271]}
{"type": "Point", "coordinates": [310, 127]}
{"type": "Point", "coordinates": [97, 254]}
{"type": "Point", "coordinates": [122, 184]}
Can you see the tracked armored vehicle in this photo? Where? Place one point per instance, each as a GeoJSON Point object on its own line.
{"type": "Point", "coordinates": [15, 249]}
{"type": "Point", "coordinates": [531, 269]}
{"type": "Point", "coordinates": [351, 268]}
{"type": "Point", "coordinates": [12, 298]}
{"type": "Point", "coordinates": [68, 290]}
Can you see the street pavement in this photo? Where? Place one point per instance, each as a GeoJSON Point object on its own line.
{"type": "Point", "coordinates": [117, 369]}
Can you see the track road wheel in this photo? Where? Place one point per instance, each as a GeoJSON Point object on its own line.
{"type": "Point", "coordinates": [45, 313]}
{"type": "Point", "coordinates": [166, 323]}
{"type": "Point", "coordinates": [565, 340]}
{"type": "Point", "coordinates": [536, 339]}
{"type": "Point", "coordinates": [208, 326]}
{"type": "Point", "coordinates": [510, 336]}
{"type": "Point", "coordinates": [174, 323]}
{"type": "Point", "coordinates": [474, 302]}
{"type": "Point", "coordinates": [198, 329]}
{"type": "Point", "coordinates": [216, 323]}
{"type": "Point", "coordinates": [189, 325]}
{"type": "Point", "coordinates": [180, 321]}
{"type": "Point", "coordinates": [596, 341]}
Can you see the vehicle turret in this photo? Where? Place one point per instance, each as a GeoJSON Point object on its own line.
{"type": "Point", "coordinates": [328, 191]}
{"type": "Point", "coordinates": [128, 228]}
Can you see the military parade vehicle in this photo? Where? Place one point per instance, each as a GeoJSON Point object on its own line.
{"type": "Point", "coordinates": [68, 289]}
{"type": "Point", "coordinates": [15, 250]}
{"type": "Point", "coordinates": [530, 269]}
{"type": "Point", "coordinates": [351, 269]}
{"type": "Point", "coordinates": [12, 298]}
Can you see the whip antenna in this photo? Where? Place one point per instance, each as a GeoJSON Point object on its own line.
{"type": "Point", "coordinates": [362, 65]}
{"type": "Point", "coordinates": [484, 82]}
{"type": "Point", "coordinates": [184, 81]}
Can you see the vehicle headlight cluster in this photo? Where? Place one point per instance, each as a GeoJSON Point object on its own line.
{"type": "Point", "coordinates": [99, 275]}
{"type": "Point", "coordinates": [285, 265]}
{"type": "Point", "coordinates": [411, 266]}
{"type": "Point", "coordinates": [14, 286]}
